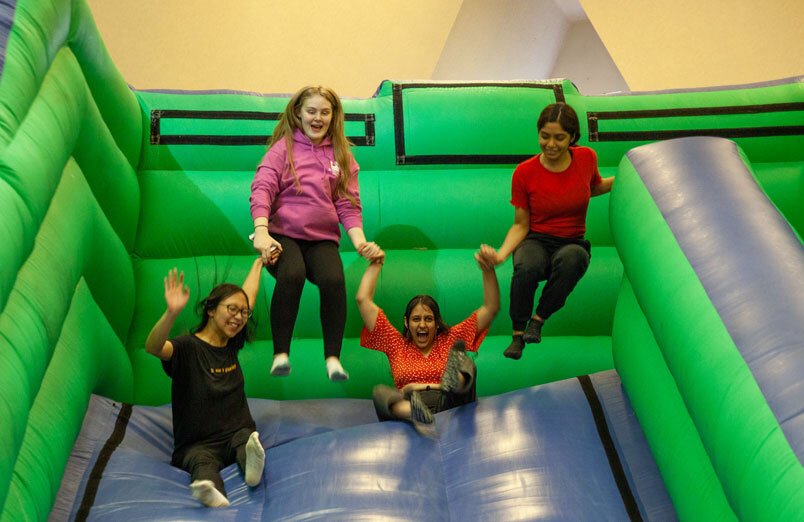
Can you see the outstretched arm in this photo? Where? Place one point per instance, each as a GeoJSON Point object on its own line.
{"type": "Point", "coordinates": [365, 293]}
{"type": "Point", "coordinates": [515, 235]}
{"type": "Point", "coordinates": [491, 288]}
{"type": "Point", "coordinates": [604, 187]}
{"type": "Point", "coordinates": [176, 297]}
{"type": "Point", "coordinates": [251, 286]}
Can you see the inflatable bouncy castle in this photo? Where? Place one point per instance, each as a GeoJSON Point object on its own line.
{"type": "Point", "coordinates": [671, 386]}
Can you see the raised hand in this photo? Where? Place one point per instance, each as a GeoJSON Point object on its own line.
{"type": "Point", "coordinates": [487, 258]}
{"type": "Point", "coordinates": [268, 247]}
{"type": "Point", "coordinates": [176, 294]}
{"type": "Point", "coordinates": [371, 251]}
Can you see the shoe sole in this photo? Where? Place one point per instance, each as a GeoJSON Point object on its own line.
{"type": "Point", "coordinates": [422, 417]}
{"type": "Point", "coordinates": [339, 377]}
{"type": "Point", "coordinates": [449, 379]}
{"type": "Point", "coordinates": [281, 371]}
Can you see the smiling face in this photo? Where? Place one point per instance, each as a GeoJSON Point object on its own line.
{"type": "Point", "coordinates": [230, 316]}
{"type": "Point", "coordinates": [421, 323]}
{"type": "Point", "coordinates": [554, 142]}
{"type": "Point", "coordinates": [315, 114]}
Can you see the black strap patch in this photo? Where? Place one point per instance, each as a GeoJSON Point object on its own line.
{"type": "Point", "coordinates": [105, 454]}
{"type": "Point", "coordinates": [595, 135]}
{"type": "Point", "coordinates": [158, 138]}
{"type": "Point", "coordinates": [611, 452]}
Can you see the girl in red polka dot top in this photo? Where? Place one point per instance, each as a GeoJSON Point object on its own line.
{"type": "Point", "coordinates": [428, 362]}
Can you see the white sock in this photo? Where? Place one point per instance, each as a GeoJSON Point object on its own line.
{"type": "Point", "coordinates": [207, 494]}
{"type": "Point", "coordinates": [335, 371]}
{"type": "Point", "coordinates": [255, 459]}
{"type": "Point", "coordinates": [281, 365]}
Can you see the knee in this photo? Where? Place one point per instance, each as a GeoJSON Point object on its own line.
{"type": "Point", "coordinates": [333, 281]}
{"type": "Point", "coordinates": [291, 276]}
{"type": "Point", "coordinates": [529, 269]}
{"type": "Point", "coordinates": [572, 259]}
{"type": "Point", "coordinates": [384, 393]}
{"type": "Point", "coordinates": [200, 458]}
{"type": "Point", "coordinates": [384, 397]}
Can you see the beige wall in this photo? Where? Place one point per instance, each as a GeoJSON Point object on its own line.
{"type": "Point", "coordinates": [274, 46]}
{"type": "Point", "coordinates": [700, 43]}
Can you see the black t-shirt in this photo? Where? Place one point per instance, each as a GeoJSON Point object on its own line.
{"type": "Point", "coordinates": [209, 400]}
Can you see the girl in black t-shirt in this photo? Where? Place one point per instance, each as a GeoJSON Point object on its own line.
{"type": "Point", "coordinates": [212, 425]}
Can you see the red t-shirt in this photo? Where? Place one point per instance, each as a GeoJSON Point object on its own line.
{"type": "Point", "coordinates": [407, 362]}
{"type": "Point", "coordinates": [557, 200]}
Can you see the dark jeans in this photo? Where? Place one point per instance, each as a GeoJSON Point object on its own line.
{"type": "Point", "coordinates": [559, 261]}
{"type": "Point", "coordinates": [320, 263]}
{"type": "Point", "coordinates": [204, 461]}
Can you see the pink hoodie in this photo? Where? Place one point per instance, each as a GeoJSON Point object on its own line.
{"type": "Point", "coordinates": [314, 213]}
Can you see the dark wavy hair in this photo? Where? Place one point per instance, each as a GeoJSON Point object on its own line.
{"type": "Point", "coordinates": [210, 302]}
{"type": "Point", "coordinates": [565, 116]}
{"type": "Point", "coordinates": [429, 302]}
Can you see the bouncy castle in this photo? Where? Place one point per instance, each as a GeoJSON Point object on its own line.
{"type": "Point", "coordinates": [671, 385]}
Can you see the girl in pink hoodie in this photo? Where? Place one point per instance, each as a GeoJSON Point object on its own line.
{"type": "Point", "coordinates": [305, 186]}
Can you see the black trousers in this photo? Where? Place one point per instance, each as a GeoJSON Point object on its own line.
{"type": "Point", "coordinates": [559, 261]}
{"type": "Point", "coordinates": [320, 263]}
{"type": "Point", "coordinates": [204, 461]}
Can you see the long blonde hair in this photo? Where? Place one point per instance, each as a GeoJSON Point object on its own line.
{"type": "Point", "coordinates": [290, 121]}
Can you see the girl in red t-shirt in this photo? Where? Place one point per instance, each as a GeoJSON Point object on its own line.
{"type": "Point", "coordinates": [428, 362]}
{"type": "Point", "coordinates": [550, 194]}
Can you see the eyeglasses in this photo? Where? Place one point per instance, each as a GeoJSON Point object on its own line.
{"type": "Point", "coordinates": [234, 310]}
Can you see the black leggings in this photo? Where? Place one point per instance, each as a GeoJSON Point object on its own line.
{"type": "Point", "coordinates": [559, 261]}
{"type": "Point", "coordinates": [320, 263]}
{"type": "Point", "coordinates": [204, 461]}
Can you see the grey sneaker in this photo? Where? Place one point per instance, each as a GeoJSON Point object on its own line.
{"type": "Point", "coordinates": [457, 355]}
{"type": "Point", "coordinates": [421, 416]}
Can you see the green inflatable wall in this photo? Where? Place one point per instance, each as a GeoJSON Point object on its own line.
{"type": "Point", "coordinates": [104, 188]}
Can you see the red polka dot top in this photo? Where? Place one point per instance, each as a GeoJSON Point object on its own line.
{"type": "Point", "coordinates": [408, 365]}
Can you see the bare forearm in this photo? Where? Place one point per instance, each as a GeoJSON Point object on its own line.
{"type": "Point", "coordinates": [356, 236]}
{"type": "Point", "coordinates": [365, 295]}
{"type": "Point", "coordinates": [513, 238]}
{"type": "Point", "coordinates": [251, 285]}
{"type": "Point", "coordinates": [604, 187]}
{"type": "Point", "coordinates": [491, 299]}
{"type": "Point", "coordinates": [159, 333]}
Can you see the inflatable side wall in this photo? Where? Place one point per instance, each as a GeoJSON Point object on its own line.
{"type": "Point", "coordinates": [709, 329]}
{"type": "Point", "coordinates": [103, 189]}
{"type": "Point", "coordinates": [69, 145]}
